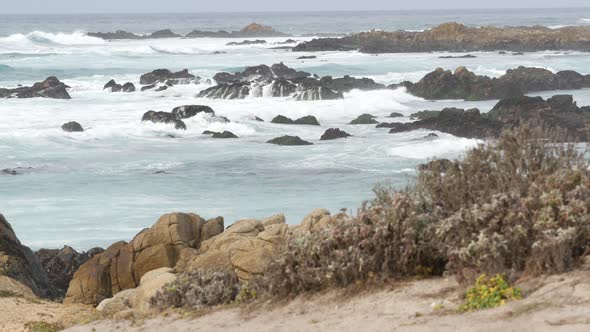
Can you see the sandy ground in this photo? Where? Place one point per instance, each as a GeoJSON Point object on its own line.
{"type": "Point", "coordinates": [23, 307]}
{"type": "Point", "coordinates": [554, 303]}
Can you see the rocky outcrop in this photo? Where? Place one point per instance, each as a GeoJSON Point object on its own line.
{"type": "Point", "coordinates": [188, 111]}
{"type": "Point", "coordinates": [456, 37]}
{"type": "Point", "coordinates": [559, 111]}
{"type": "Point", "coordinates": [396, 115]}
{"type": "Point", "coordinates": [246, 247]}
{"type": "Point", "coordinates": [119, 34]}
{"type": "Point", "coordinates": [166, 33]}
{"type": "Point", "coordinates": [464, 84]}
{"type": "Point", "coordinates": [289, 140]}
{"type": "Point", "coordinates": [334, 133]}
{"type": "Point", "coordinates": [122, 265]}
{"type": "Point", "coordinates": [306, 120]}
{"type": "Point", "coordinates": [279, 80]}
{"type": "Point", "coordinates": [163, 117]}
{"type": "Point", "coordinates": [364, 119]}
{"type": "Point", "coordinates": [60, 265]}
{"type": "Point", "coordinates": [19, 263]}
{"type": "Point", "coordinates": [166, 76]}
{"type": "Point", "coordinates": [458, 122]}
{"type": "Point", "coordinates": [72, 126]}
{"type": "Point", "coordinates": [113, 86]}
{"type": "Point", "coordinates": [178, 114]}
{"type": "Point", "coordinates": [225, 134]}
{"type": "Point", "coordinates": [50, 88]}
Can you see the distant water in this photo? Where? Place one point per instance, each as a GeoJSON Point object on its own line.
{"type": "Point", "coordinates": [293, 22]}
{"type": "Point", "coordinates": [97, 187]}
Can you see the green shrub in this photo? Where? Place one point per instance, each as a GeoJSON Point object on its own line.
{"type": "Point", "coordinates": [43, 327]}
{"type": "Point", "coordinates": [489, 293]}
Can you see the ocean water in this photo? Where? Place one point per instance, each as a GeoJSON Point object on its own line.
{"type": "Point", "coordinates": [97, 187]}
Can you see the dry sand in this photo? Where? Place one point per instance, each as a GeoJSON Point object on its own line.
{"type": "Point", "coordinates": [554, 303]}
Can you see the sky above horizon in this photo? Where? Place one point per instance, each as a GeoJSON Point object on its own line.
{"type": "Point", "coordinates": [178, 6]}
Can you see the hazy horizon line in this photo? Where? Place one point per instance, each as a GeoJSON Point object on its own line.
{"type": "Point", "coordinates": [296, 11]}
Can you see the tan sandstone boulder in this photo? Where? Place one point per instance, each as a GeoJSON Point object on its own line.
{"type": "Point", "coordinates": [246, 247]}
{"type": "Point", "coordinates": [123, 265]}
{"type": "Point", "coordinates": [313, 222]}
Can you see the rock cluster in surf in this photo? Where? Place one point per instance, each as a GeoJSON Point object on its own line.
{"type": "Point", "coordinates": [51, 87]}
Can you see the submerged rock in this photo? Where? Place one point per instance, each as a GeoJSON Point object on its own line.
{"type": "Point", "coordinates": [166, 33]}
{"type": "Point", "coordinates": [72, 126]}
{"type": "Point", "coordinates": [165, 75]}
{"type": "Point", "coordinates": [50, 88]}
{"type": "Point", "coordinates": [247, 42]}
{"type": "Point", "coordinates": [334, 133]}
{"type": "Point", "coordinates": [163, 117]}
{"type": "Point", "coordinates": [225, 134]}
{"type": "Point", "coordinates": [306, 120]}
{"type": "Point", "coordinates": [188, 111]}
{"type": "Point", "coordinates": [289, 140]}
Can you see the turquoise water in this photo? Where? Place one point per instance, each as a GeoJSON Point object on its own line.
{"type": "Point", "coordinates": [97, 187]}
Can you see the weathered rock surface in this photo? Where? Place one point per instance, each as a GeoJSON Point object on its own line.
{"type": "Point", "coordinates": [50, 88]}
{"type": "Point", "coordinates": [163, 117]}
{"type": "Point", "coordinates": [246, 247]}
{"type": "Point", "coordinates": [456, 37]}
{"type": "Point", "coordinates": [247, 42]}
{"type": "Point", "coordinates": [289, 140]}
{"type": "Point", "coordinates": [166, 76]}
{"type": "Point", "coordinates": [60, 265]}
{"type": "Point", "coordinates": [113, 86]}
{"type": "Point", "coordinates": [464, 84]}
{"type": "Point", "coordinates": [19, 263]}
{"type": "Point", "coordinates": [347, 83]}
{"type": "Point", "coordinates": [188, 111]}
{"type": "Point", "coordinates": [122, 265]}
{"type": "Point", "coordinates": [334, 133]}
{"type": "Point", "coordinates": [72, 126]}
{"type": "Point", "coordinates": [225, 134]}
{"type": "Point", "coordinates": [166, 33]}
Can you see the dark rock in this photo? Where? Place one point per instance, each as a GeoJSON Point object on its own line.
{"type": "Point", "coordinates": [72, 126]}
{"type": "Point", "coordinates": [163, 117]}
{"type": "Point", "coordinates": [281, 119]}
{"type": "Point", "coordinates": [225, 134]}
{"type": "Point", "coordinates": [396, 115]}
{"type": "Point", "coordinates": [467, 56]}
{"type": "Point", "coordinates": [364, 119]}
{"type": "Point", "coordinates": [387, 125]}
{"type": "Point", "coordinates": [422, 115]}
{"type": "Point", "coordinates": [19, 263]}
{"type": "Point", "coordinates": [431, 136]}
{"type": "Point", "coordinates": [50, 88]}
{"type": "Point", "coordinates": [289, 140]}
{"type": "Point", "coordinates": [208, 132]}
{"type": "Point", "coordinates": [307, 120]}
{"type": "Point", "coordinates": [60, 266]}
{"type": "Point", "coordinates": [179, 125]}
{"type": "Point", "coordinates": [163, 75]}
{"type": "Point", "coordinates": [458, 122]}
{"type": "Point", "coordinates": [119, 34]}
{"type": "Point", "coordinates": [188, 111]}
{"type": "Point", "coordinates": [258, 119]}
{"type": "Point", "coordinates": [128, 87]}
{"type": "Point", "coordinates": [16, 170]}
{"type": "Point", "coordinates": [113, 86]}
{"type": "Point", "coordinates": [307, 57]}
{"type": "Point", "coordinates": [347, 83]}
{"type": "Point", "coordinates": [166, 33]}
{"type": "Point", "coordinates": [148, 87]}
{"type": "Point", "coordinates": [334, 133]}
{"type": "Point", "coordinates": [247, 42]}
{"type": "Point", "coordinates": [226, 91]}
{"type": "Point", "coordinates": [162, 88]}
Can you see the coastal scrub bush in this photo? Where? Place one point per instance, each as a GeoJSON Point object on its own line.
{"type": "Point", "coordinates": [489, 293]}
{"type": "Point", "coordinates": [198, 289]}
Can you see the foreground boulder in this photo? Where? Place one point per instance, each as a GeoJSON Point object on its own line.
{"type": "Point", "coordinates": [455, 37]}
{"type": "Point", "coordinates": [60, 265]}
{"type": "Point", "coordinates": [72, 126]}
{"type": "Point", "coordinates": [289, 140]}
{"type": "Point", "coordinates": [165, 75]}
{"type": "Point", "coordinates": [122, 265]}
{"type": "Point", "coordinates": [19, 263]}
{"type": "Point", "coordinates": [334, 133]}
{"type": "Point", "coordinates": [50, 88]}
{"type": "Point", "coordinates": [464, 84]}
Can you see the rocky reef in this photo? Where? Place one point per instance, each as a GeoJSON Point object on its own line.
{"type": "Point", "coordinates": [457, 37]}
{"type": "Point", "coordinates": [464, 84]}
{"type": "Point", "coordinates": [178, 114]}
{"type": "Point", "coordinates": [250, 31]}
{"type": "Point", "coordinates": [51, 87]}
{"type": "Point", "coordinates": [559, 112]}
{"type": "Point", "coordinates": [279, 80]}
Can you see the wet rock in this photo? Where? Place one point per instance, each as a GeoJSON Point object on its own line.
{"type": "Point", "coordinates": [364, 119]}
{"type": "Point", "coordinates": [72, 126]}
{"type": "Point", "coordinates": [281, 119]}
{"type": "Point", "coordinates": [225, 134]}
{"type": "Point", "coordinates": [148, 87]}
{"type": "Point", "coordinates": [166, 33]}
{"type": "Point", "coordinates": [128, 87]}
{"type": "Point", "coordinates": [188, 111]}
{"type": "Point", "coordinates": [423, 115]}
{"type": "Point", "coordinates": [163, 75]}
{"type": "Point", "coordinates": [226, 91]}
{"type": "Point", "coordinates": [49, 88]}
{"type": "Point", "coordinates": [306, 120]}
{"type": "Point", "coordinates": [347, 83]}
{"type": "Point", "coordinates": [119, 34]}
{"type": "Point", "coordinates": [258, 119]}
{"type": "Point", "coordinates": [396, 115]}
{"type": "Point", "coordinates": [307, 57]}
{"type": "Point", "coordinates": [431, 136]}
{"type": "Point", "coordinates": [334, 133]}
{"type": "Point", "coordinates": [466, 56]}
{"type": "Point", "coordinates": [163, 117]}
{"type": "Point", "coordinates": [208, 132]}
{"type": "Point", "coordinates": [289, 140]}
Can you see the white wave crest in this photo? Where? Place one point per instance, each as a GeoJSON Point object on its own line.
{"type": "Point", "coordinates": [40, 37]}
